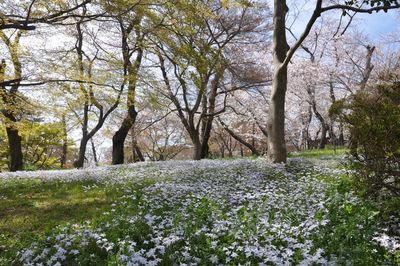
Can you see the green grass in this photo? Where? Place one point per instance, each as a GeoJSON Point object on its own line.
{"type": "Point", "coordinates": [30, 208]}
{"type": "Point", "coordinates": [318, 153]}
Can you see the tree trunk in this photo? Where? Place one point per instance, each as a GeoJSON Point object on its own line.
{"type": "Point", "coordinates": [198, 149]}
{"type": "Point", "coordinates": [222, 151]}
{"type": "Point", "coordinates": [15, 148]}
{"type": "Point", "coordinates": [138, 152]}
{"type": "Point", "coordinates": [332, 136]}
{"type": "Point", "coordinates": [205, 148]}
{"type": "Point", "coordinates": [209, 108]}
{"type": "Point", "coordinates": [63, 159]}
{"type": "Point", "coordinates": [341, 140]}
{"type": "Point", "coordinates": [81, 154]}
{"type": "Point", "coordinates": [276, 115]}
{"type": "Point", "coordinates": [94, 152]}
{"type": "Point", "coordinates": [276, 118]}
{"type": "Point", "coordinates": [239, 139]}
{"type": "Point", "coordinates": [322, 142]}
{"type": "Point", "coordinates": [120, 136]}
{"type": "Point", "coordinates": [131, 71]}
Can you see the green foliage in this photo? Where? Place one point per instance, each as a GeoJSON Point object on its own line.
{"type": "Point", "coordinates": [3, 150]}
{"type": "Point", "coordinates": [374, 119]}
{"type": "Point", "coordinates": [352, 224]}
{"type": "Point", "coordinates": [41, 142]}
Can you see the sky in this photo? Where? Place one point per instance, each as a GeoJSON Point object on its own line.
{"type": "Point", "coordinates": [378, 24]}
{"type": "Point", "coordinates": [375, 25]}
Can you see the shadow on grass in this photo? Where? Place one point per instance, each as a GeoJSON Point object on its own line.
{"type": "Point", "coordinates": [30, 208]}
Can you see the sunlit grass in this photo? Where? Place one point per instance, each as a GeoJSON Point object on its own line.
{"type": "Point", "coordinates": [318, 153]}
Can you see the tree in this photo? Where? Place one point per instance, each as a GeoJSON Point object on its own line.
{"type": "Point", "coordinates": [282, 54]}
{"type": "Point", "coordinates": [85, 72]}
{"type": "Point", "coordinates": [163, 140]}
{"type": "Point", "coordinates": [41, 143]}
{"type": "Point", "coordinates": [373, 117]}
{"type": "Point", "coordinates": [25, 15]}
{"type": "Point", "coordinates": [197, 50]}
{"type": "Point", "coordinates": [132, 43]}
{"type": "Point", "coordinates": [10, 100]}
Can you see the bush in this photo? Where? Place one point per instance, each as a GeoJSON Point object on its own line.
{"type": "Point", "coordinates": [374, 120]}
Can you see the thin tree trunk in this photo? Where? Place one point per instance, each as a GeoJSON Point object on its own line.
{"type": "Point", "coordinates": [79, 162]}
{"type": "Point", "coordinates": [63, 159]}
{"type": "Point", "coordinates": [94, 152]}
{"type": "Point", "coordinates": [239, 139]}
{"type": "Point", "coordinates": [138, 152]}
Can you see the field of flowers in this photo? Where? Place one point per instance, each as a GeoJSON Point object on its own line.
{"type": "Point", "coordinates": [209, 212]}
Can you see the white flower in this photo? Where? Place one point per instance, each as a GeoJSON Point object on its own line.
{"type": "Point", "coordinates": [214, 259]}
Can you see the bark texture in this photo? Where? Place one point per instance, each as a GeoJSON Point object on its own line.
{"type": "Point", "coordinates": [276, 115]}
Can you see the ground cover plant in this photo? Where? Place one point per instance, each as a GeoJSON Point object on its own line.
{"type": "Point", "coordinates": [209, 212]}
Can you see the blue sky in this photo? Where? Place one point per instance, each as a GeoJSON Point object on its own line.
{"type": "Point", "coordinates": [379, 24]}
{"type": "Point", "coordinates": [374, 25]}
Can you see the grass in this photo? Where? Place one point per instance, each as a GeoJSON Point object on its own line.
{"type": "Point", "coordinates": [318, 153]}
{"type": "Point", "coordinates": [30, 208]}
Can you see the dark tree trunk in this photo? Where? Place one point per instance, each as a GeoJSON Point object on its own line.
{"type": "Point", "coordinates": [322, 142]}
{"type": "Point", "coordinates": [120, 136]}
{"type": "Point", "coordinates": [209, 110]}
{"type": "Point", "coordinates": [63, 159]}
{"type": "Point", "coordinates": [131, 70]}
{"type": "Point", "coordinates": [81, 154]}
{"type": "Point", "coordinates": [205, 150]}
{"type": "Point", "coordinates": [15, 148]}
{"type": "Point", "coordinates": [9, 101]}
